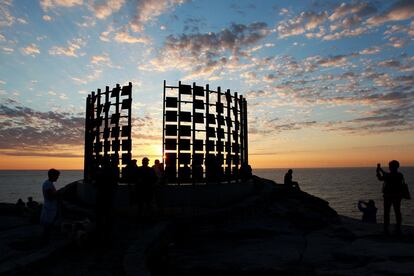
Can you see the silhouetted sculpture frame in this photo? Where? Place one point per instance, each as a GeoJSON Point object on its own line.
{"type": "Point", "coordinates": [206, 129]}
{"type": "Point", "coordinates": [108, 128]}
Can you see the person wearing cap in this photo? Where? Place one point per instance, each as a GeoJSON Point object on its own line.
{"type": "Point", "coordinates": [145, 188]}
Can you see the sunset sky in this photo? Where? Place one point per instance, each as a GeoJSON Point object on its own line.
{"type": "Point", "coordinates": [328, 83]}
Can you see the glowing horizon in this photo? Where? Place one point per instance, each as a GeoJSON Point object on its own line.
{"type": "Point", "coordinates": [328, 84]}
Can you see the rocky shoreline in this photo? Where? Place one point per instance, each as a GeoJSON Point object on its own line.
{"type": "Point", "coordinates": [273, 231]}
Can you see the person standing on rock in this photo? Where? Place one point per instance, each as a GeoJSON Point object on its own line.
{"type": "Point", "coordinates": [392, 190]}
{"type": "Point", "coordinates": [50, 204]}
{"type": "Point", "coordinates": [145, 189]}
{"type": "Point", "coordinates": [106, 187]}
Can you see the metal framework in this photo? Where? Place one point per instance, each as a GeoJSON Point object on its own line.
{"type": "Point", "coordinates": [108, 127]}
{"type": "Point", "coordinates": [204, 134]}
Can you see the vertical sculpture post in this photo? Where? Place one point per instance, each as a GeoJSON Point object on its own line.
{"type": "Point", "coordinates": [246, 135]}
{"type": "Point", "coordinates": [163, 125]}
{"type": "Point", "coordinates": [228, 142]}
{"type": "Point", "coordinates": [242, 146]}
{"type": "Point", "coordinates": [87, 147]}
{"type": "Point", "coordinates": [219, 160]}
{"type": "Point", "coordinates": [236, 134]}
{"type": "Point", "coordinates": [206, 131]}
{"type": "Point", "coordinates": [129, 151]}
{"type": "Point", "coordinates": [107, 105]}
{"type": "Point", "coordinates": [179, 134]}
{"type": "Point", "coordinates": [193, 134]}
{"type": "Point", "coordinates": [98, 125]}
{"type": "Point", "coordinates": [117, 118]}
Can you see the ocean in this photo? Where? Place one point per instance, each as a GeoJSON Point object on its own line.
{"type": "Point", "coordinates": [341, 187]}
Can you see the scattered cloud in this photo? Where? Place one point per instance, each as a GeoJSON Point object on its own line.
{"type": "Point", "coordinates": [94, 75]}
{"type": "Point", "coordinates": [22, 21]}
{"type": "Point", "coordinates": [149, 10]}
{"type": "Point", "coordinates": [300, 24]}
{"type": "Point", "coordinates": [123, 36]}
{"type": "Point", "coordinates": [397, 42]}
{"type": "Point", "coordinates": [70, 51]}
{"type": "Point", "coordinates": [205, 54]}
{"type": "Point", "coordinates": [24, 127]}
{"type": "Point", "coordinates": [334, 61]}
{"type": "Point", "coordinates": [7, 50]}
{"type": "Point", "coordinates": [103, 9]}
{"type": "Point", "coordinates": [401, 10]}
{"type": "Point", "coordinates": [31, 50]}
{"type": "Point", "coordinates": [50, 4]}
{"type": "Point", "coordinates": [46, 17]}
{"type": "Point", "coordinates": [6, 18]}
{"type": "Point", "coordinates": [370, 51]}
{"type": "Point", "coordinates": [357, 9]}
{"type": "Point", "coordinates": [101, 59]}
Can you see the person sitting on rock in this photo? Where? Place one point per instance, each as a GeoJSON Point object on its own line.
{"type": "Point", "coordinates": [369, 211]}
{"type": "Point", "coordinates": [20, 203]}
{"type": "Point", "coordinates": [20, 206]}
{"type": "Point", "coordinates": [288, 180]}
{"type": "Point", "coordinates": [31, 204]}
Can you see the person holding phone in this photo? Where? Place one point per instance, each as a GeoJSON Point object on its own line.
{"type": "Point", "coordinates": [392, 190]}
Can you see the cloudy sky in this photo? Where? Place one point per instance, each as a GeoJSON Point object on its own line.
{"type": "Point", "coordinates": [328, 83]}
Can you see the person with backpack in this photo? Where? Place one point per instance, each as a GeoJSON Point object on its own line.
{"type": "Point", "coordinates": [393, 191]}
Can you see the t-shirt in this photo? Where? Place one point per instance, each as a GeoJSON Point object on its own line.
{"type": "Point", "coordinates": [393, 184]}
{"type": "Point", "coordinates": [50, 206]}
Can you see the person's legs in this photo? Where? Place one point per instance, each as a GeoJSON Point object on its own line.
{"type": "Point", "coordinates": [398, 216]}
{"type": "Point", "coordinates": [47, 230]}
{"type": "Point", "coordinates": [387, 208]}
{"type": "Point", "coordinates": [295, 185]}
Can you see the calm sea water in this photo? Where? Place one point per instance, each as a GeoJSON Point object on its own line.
{"type": "Point", "coordinates": [22, 184]}
{"type": "Point", "coordinates": [341, 187]}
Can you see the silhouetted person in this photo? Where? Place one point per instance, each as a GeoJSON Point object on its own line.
{"type": "Point", "coordinates": [245, 171]}
{"type": "Point", "coordinates": [213, 168]}
{"type": "Point", "coordinates": [130, 177]}
{"type": "Point", "coordinates": [369, 211]}
{"type": "Point", "coordinates": [289, 180]}
{"type": "Point", "coordinates": [197, 173]}
{"type": "Point", "coordinates": [31, 204]}
{"type": "Point", "coordinates": [20, 206]}
{"type": "Point", "coordinates": [170, 173]}
{"type": "Point", "coordinates": [145, 188]}
{"type": "Point", "coordinates": [158, 168]}
{"type": "Point", "coordinates": [50, 204]}
{"type": "Point", "coordinates": [20, 203]}
{"type": "Point", "coordinates": [130, 171]}
{"type": "Point", "coordinates": [32, 209]}
{"type": "Point", "coordinates": [392, 190]}
{"type": "Point", "coordinates": [185, 173]}
{"type": "Point", "coordinates": [106, 185]}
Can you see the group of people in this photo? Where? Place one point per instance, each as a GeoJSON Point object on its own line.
{"type": "Point", "coordinates": [142, 181]}
{"type": "Point", "coordinates": [394, 189]}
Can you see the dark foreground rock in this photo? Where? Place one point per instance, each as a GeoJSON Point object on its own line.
{"type": "Point", "coordinates": [280, 231]}
{"type": "Point", "coordinates": [274, 231]}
